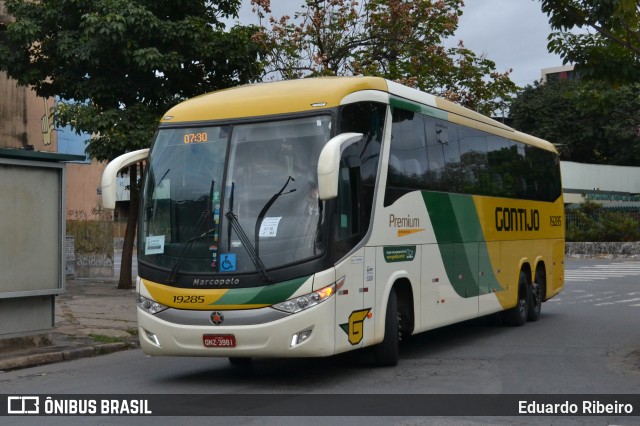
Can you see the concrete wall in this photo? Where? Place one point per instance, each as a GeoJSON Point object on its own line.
{"type": "Point", "coordinates": [630, 250]}
{"type": "Point", "coordinates": [83, 200]}
{"type": "Point", "coordinates": [93, 252]}
{"type": "Point", "coordinates": [89, 224]}
{"type": "Point", "coordinates": [21, 118]}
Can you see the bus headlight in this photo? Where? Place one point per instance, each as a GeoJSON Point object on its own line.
{"type": "Point", "coordinates": [306, 301]}
{"type": "Point", "coordinates": [148, 305]}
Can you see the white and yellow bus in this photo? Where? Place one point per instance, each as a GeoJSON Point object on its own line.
{"type": "Point", "coordinates": [317, 216]}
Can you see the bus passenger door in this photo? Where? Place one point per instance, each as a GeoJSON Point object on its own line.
{"type": "Point", "coordinates": [354, 326]}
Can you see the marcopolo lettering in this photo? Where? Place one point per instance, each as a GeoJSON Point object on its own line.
{"type": "Point", "coordinates": [515, 219]}
{"type": "Point", "coordinates": [216, 281]}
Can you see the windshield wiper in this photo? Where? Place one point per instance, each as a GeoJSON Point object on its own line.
{"type": "Point", "coordinates": [203, 218]}
{"type": "Point", "coordinates": [266, 208]}
{"type": "Point", "coordinates": [246, 243]}
{"type": "Point", "coordinates": [187, 246]}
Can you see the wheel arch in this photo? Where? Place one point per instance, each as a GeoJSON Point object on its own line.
{"type": "Point", "coordinates": [541, 267]}
{"type": "Point", "coordinates": [525, 266]}
{"type": "Point", "coordinates": [401, 283]}
{"type": "Point", "coordinates": [406, 307]}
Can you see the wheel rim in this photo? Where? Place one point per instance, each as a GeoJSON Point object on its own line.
{"type": "Point", "coordinates": [537, 297]}
{"type": "Point", "coordinates": [523, 301]}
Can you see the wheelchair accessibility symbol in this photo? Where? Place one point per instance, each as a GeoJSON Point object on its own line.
{"type": "Point", "coordinates": [228, 262]}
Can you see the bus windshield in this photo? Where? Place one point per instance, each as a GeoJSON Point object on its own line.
{"type": "Point", "coordinates": [234, 199]}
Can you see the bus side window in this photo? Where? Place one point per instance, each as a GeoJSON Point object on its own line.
{"type": "Point", "coordinates": [407, 170]}
{"type": "Point", "coordinates": [367, 118]}
{"type": "Point", "coordinates": [358, 174]}
{"type": "Point", "coordinates": [347, 216]}
{"type": "Point", "coordinates": [473, 159]}
{"type": "Point", "coordinates": [453, 173]}
{"type": "Point", "coordinates": [349, 227]}
{"type": "Point", "coordinates": [445, 172]}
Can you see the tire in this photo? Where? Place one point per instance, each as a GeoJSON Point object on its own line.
{"type": "Point", "coordinates": [517, 316]}
{"type": "Point", "coordinates": [240, 362]}
{"type": "Point", "coordinates": [386, 353]}
{"type": "Point", "coordinates": [535, 299]}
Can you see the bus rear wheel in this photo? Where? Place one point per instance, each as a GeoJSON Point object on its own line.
{"type": "Point", "coordinates": [535, 302]}
{"type": "Point", "coordinates": [517, 316]}
{"type": "Point", "coordinates": [386, 353]}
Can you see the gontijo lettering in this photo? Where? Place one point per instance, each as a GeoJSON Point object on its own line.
{"type": "Point", "coordinates": [513, 219]}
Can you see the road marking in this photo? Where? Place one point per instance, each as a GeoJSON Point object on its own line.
{"type": "Point", "coordinates": [599, 274]}
{"type": "Point", "coordinates": [617, 301]}
{"type": "Point", "coordinates": [602, 272]}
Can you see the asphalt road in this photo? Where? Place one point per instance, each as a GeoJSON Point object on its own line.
{"type": "Point", "coordinates": [586, 342]}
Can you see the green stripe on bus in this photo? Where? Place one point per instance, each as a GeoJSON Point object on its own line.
{"type": "Point", "coordinates": [419, 108]}
{"type": "Point", "coordinates": [266, 295]}
{"type": "Point", "coordinates": [461, 242]}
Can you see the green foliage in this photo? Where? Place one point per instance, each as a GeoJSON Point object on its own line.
{"type": "Point", "coordinates": [119, 64]}
{"type": "Point", "coordinates": [590, 122]}
{"type": "Point", "coordinates": [400, 40]}
{"type": "Point", "coordinates": [601, 37]}
{"type": "Point", "coordinates": [591, 222]}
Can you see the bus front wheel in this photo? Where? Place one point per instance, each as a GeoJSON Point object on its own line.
{"type": "Point", "coordinates": [386, 353]}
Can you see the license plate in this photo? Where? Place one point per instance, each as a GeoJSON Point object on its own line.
{"type": "Point", "coordinates": [219, 340]}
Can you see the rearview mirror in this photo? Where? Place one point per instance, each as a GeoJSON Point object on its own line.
{"type": "Point", "coordinates": [108, 183]}
{"type": "Point", "coordinates": [329, 164]}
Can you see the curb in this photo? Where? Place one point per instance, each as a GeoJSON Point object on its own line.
{"type": "Point", "coordinates": [60, 354]}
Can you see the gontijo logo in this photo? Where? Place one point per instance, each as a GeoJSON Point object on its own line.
{"type": "Point", "coordinates": [513, 219]}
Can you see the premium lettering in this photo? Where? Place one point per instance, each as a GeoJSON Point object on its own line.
{"type": "Point", "coordinates": [517, 220]}
{"type": "Point", "coordinates": [403, 222]}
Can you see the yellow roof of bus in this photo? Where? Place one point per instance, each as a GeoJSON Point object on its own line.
{"type": "Point", "coordinates": [279, 97]}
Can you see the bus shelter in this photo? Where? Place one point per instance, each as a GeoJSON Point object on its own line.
{"type": "Point", "coordinates": [32, 225]}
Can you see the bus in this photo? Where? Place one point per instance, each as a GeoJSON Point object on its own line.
{"type": "Point", "coordinates": [312, 217]}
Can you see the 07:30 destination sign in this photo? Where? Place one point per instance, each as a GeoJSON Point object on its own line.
{"type": "Point", "coordinates": [196, 137]}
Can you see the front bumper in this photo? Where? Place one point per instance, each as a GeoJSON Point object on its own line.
{"type": "Point", "coordinates": [268, 333]}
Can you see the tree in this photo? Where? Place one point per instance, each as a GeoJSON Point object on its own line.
{"type": "Point", "coordinates": [607, 47]}
{"type": "Point", "coordinates": [120, 64]}
{"type": "Point", "coordinates": [590, 122]}
{"type": "Point", "coordinates": [594, 222]}
{"type": "Point", "coordinates": [400, 40]}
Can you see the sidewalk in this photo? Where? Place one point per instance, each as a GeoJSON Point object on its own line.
{"type": "Point", "coordinates": [92, 317]}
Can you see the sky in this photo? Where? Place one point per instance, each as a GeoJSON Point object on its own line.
{"type": "Point", "coordinates": [512, 33]}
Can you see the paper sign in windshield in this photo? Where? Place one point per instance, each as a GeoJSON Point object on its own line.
{"type": "Point", "coordinates": [269, 227]}
{"type": "Point", "coordinates": [154, 244]}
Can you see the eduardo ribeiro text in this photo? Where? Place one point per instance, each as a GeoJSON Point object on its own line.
{"type": "Point", "coordinates": [566, 407]}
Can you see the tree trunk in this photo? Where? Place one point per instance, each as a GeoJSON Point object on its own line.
{"type": "Point", "coordinates": [126, 279]}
